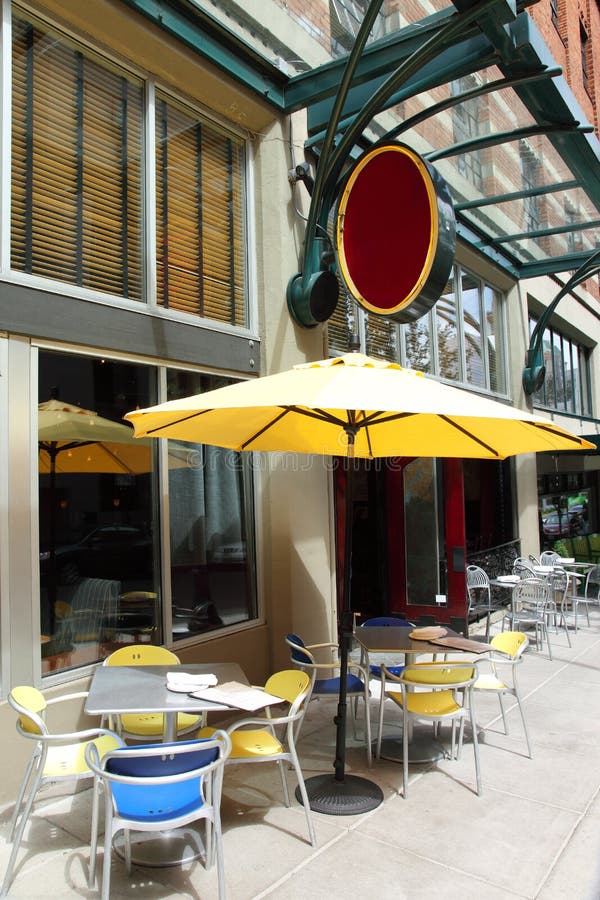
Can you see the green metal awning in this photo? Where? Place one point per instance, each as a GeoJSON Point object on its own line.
{"type": "Point", "coordinates": [472, 88]}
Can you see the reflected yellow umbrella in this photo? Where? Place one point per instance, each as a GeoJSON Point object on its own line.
{"type": "Point", "coordinates": [72, 439]}
{"type": "Point", "coordinates": [352, 406]}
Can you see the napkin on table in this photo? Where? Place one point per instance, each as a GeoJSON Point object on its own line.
{"type": "Point", "coordinates": [190, 681]}
{"type": "Point", "coordinates": [508, 578]}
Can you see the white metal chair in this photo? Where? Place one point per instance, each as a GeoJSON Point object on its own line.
{"type": "Point", "coordinates": [549, 557]}
{"type": "Point", "coordinates": [508, 651]}
{"type": "Point", "coordinates": [55, 757]}
{"type": "Point", "coordinates": [523, 568]}
{"type": "Point", "coordinates": [437, 692]}
{"type": "Point", "coordinates": [479, 596]}
{"type": "Point", "coordinates": [272, 738]}
{"type": "Point", "coordinates": [156, 788]}
{"type": "Point", "coordinates": [531, 605]}
{"type": "Point", "coordinates": [357, 684]}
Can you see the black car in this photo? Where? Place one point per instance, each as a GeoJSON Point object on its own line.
{"type": "Point", "coordinates": [111, 551]}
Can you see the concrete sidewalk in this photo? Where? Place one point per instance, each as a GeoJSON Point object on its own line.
{"type": "Point", "coordinates": [534, 833]}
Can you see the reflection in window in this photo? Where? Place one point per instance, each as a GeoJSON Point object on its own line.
{"type": "Point", "coordinates": [417, 344]}
{"type": "Point", "coordinates": [420, 528]}
{"type": "Point", "coordinates": [447, 334]}
{"type": "Point", "coordinates": [566, 386]}
{"type": "Point", "coordinates": [99, 570]}
{"type": "Point", "coordinates": [473, 331]}
{"type": "Point", "coordinates": [466, 124]}
{"type": "Point", "coordinates": [210, 526]}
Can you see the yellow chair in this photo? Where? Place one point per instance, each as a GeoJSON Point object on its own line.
{"type": "Point", "coordinates": [509, 647]}
{"type": "Point", "coordinates": [55, 757]}
{"type": "Point", "coordinates": [146, 726]}
{"type": "Point", "coordinates": [437, 692]}
{"type": "Point", "coordinates": [264, 744]}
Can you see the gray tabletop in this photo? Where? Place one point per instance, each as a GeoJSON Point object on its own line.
{"type": "Point", "coordinates": [139, 689]}
{"type": "Point", "coordinates": [395, 639]}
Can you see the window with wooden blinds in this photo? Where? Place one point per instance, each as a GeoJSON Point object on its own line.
{"type": "Point", "coordinates": [76, 210]}
{"type": "Point", "coordinates": [200, 240]}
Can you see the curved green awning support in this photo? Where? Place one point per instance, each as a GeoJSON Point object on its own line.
{"type": "Point", "coordinates": [534, 372]}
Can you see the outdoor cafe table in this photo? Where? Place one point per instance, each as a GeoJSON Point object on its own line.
{"type": "Point", "coordinates": [118, 690]}
{"type": "Point", "coordinates": [396, 639]}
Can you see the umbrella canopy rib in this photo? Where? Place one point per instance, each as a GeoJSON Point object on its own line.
{"type": "Point", "coordinates": [470, 436]}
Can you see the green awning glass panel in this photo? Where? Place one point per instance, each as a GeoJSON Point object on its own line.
{"type": "Point", "coordinates": [511, 194]}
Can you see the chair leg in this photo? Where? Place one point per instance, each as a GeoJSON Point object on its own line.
{"type": "Point", "coordinates": [380, 724]}
{"type": "Point", "coordinates": [20, 829]}
{"type": "Point", "coordinates": [218, 837]}
{"type": "Point", "coordinates": [404, 755]}
{"type": "Point", "coordinates": [522, 711]}
{"type": "Point", "coordinates": [503, 714]}
{"type": "Point", "coordinates": [30, 766]}
{"type": "Point", "coordinates": [475, 746]}
{"type": "Point", "coordinates": [305, 801]}
{"type": "Point", "coordinates": [286, 793]}
{"type": "Point", "coordinates": [106, 862]}
{"type": "Point", "coordinates": [94, 834]}
{"type": "Point", "coordinates": [368, 727]}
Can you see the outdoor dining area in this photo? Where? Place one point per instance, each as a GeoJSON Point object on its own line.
{"type": "Point", "coordinates": [447, 757]}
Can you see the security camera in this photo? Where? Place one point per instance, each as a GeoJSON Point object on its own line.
{"type": "Point", "coordinates": [302, 172]}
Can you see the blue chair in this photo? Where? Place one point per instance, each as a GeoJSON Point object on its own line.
{"type": "Point", "coordinates": [157, 787]}
{"type": "Point", "coordinates": [357, 685]}
{"type": "Point", "coordinates": [386, 622]}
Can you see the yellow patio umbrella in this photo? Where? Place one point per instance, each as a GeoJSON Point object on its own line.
{"type": "Point", "coordinates": [352, 405]}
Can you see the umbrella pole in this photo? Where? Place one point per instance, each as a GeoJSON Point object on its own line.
{"type": "Point", "coordinates": [341, 794]}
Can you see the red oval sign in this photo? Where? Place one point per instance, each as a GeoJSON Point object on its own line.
{"type": "Point", "coordinates": [395, 233]}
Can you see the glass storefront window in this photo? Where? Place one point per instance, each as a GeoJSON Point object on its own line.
{"type": "Point", "coordinates": [421, 530]}
{"type": "Point", "coordinates": [98, 529]}
{"type": "Point", "coordinates": [447, 334]}
{"type": "Point", "coordinates": [210, 525]}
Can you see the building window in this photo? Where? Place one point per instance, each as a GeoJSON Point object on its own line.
{"type": "Point", "coordinates": [201, 265]}
{"type": "Point", "coordinates": [76, 166]}
{"type": "Point", "coordinates": [101, 555]}
{"type": "Point", "coordinates": [566, 386]}
{"type": "Point", "coordinates": [554, 12]}
{"type": "Point", "coordinates": [466, 125]}
{"type": "Point", "coordinates": [461, 339]}
{"type": "Point", "coordinates": [584, 41]}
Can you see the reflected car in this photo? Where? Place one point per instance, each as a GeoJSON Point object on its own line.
{"type": "Point", "coordinates": [565, 525]}
{"type": "Point", "coordinates": [111, 551]}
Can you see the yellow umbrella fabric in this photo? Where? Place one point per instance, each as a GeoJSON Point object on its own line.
{"type": "Point", "coordinates": [73, 439]}
{"type": "Point", "coordinates": [393, 411]}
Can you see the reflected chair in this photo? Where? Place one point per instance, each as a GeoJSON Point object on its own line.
{"type": "Point", "coordinates": [146, 726]}
{"type": "Point", "coordinates": [437, 692]}
{"type": "Point", "coordinates": [272, 737]}
{"type": "Point", "coordinates": [509, 647]}
{"type": "Point", "coordinates": [531, 605]}
{"type": "Point", "coordinates": [156, 788]}
{"type": "Point", "coordinates": [357, 685]}
{"type": "Point", "coordinates": [55, 757]}
{"type": "Point", "coordinates": [592, 586]}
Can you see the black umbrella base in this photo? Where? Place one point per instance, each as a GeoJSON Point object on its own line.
{"type": "Point", "coordinates": [349, 797]}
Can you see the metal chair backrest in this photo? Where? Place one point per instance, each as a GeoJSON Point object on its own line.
{"type": "Point", "coordinates": [299, 654]}
{"type": "Point", "coordinates": [523, 568]}
{"type": "Point", "coordinates": [549, 557]}
{"type": "Point", "coordinates": [531, 594]}
{"type": "Point", "coordinates": [477, 577]}
{"type": "Point", "coordinates": [592, 583]}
